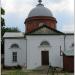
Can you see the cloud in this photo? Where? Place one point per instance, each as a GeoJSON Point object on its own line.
{"type": "Point", "coordinates": [64, 13]}
{"type": "Point", "coordinates": [14, 6]}
{"type": "Point", "coordinates": [8, 5]}
{"type": "Point", "coordinates": [67, 5]}
{"type": "Point", "coordinates": [68, 28]}
{"type": "Point", "coordinates": [54, 5]}
{"type": "Point", "coordinates": [13, 20]}
{"type": "Point", "coordinates": [56, 1]}
{"type": "Point", "coordinates": [65, 21]}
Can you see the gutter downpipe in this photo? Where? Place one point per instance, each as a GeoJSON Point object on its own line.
{"type": "Point", "coordinates": [26, 50]}
{"type": "Point", "coordinates": [64, 50]}
{"type": "Point", "coordinates": [64, 41]}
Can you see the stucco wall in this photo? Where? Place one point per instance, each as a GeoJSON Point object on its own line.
{"type": "Point", "coordinates": [34, 50]}
{"type": "Point", "coordinates": [69, 40]}
{"type": "Point", "coordinates": [33, 54]}
{"type": "Point", "coordinates": [21, 52]}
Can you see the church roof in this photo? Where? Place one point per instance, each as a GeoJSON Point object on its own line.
{"type": "Point", "coordinates": [69, 52]}
{"type": "Point", "coordinates": [45, 30]}
{"type": "Point", "coordinates": [13, 34]}
{"type": "Point", "coordinates": [40, 10]}
{"type": "Point", "coordinates": [70, 33]}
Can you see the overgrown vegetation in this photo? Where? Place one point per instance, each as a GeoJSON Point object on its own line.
{"type": "Point", "coordinates": [18, 67]}
{"type": "Point", "coordinates": [14, 72]}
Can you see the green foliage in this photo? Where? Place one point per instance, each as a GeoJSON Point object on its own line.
{"type": "Point", "coordinates": [9, 30]}
{"type": "Point", "coordinates": [2, 29]}
{"type": "Point", "coordinates": [2, 11]}
{"type": "Point", "coordinates": [2, 19]}
{"type": "Point", "coordinates": [14, 72]}
{"type": "Point", "coordinates": [65, 73]}
{"type": "Point", "coordinates": [2, 22]}
{"type": "Point", "coordinates": [18, 67]}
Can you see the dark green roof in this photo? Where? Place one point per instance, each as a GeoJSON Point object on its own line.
{"type": "Point", "coordinates": [69, 52]}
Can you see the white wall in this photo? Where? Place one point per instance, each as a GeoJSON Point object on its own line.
{"type": "Point", "coordinates": [21, 52]}
{"type": "Point", "coordinates": [34, 51]}
{"type": "Point", "coordinates": [69, 39]}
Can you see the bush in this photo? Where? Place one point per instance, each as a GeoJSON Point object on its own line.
{"type": "Point", "coordinates": [12, 67]}
{"type": "Point", "coordinates": [18, 67]}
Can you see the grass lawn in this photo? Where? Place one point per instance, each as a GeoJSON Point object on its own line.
{"type": "Point", "coordinates": [22, 72]}
{"type": "Point", "coordinates": [13, 72]}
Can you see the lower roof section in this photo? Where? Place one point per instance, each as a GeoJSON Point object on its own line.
{"type": "Point", "coordinates": [13, 34]}
{"type": "Point", "coordinates": [17, 35]}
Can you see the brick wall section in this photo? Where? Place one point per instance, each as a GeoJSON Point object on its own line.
{"type": "Point", "coordinates": [33, 22]}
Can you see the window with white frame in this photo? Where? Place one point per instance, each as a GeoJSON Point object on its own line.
{"type": "Point", "coordinates": [14, 55]}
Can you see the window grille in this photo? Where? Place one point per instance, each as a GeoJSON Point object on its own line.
{"type": "Point", "coordinates": [14, 54]}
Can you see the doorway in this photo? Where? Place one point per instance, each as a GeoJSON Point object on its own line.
{"type": "Point", "coordinates": [45, 57]}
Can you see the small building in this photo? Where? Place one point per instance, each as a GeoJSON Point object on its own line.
{"type": "Point", "coordinates": [68, 60]}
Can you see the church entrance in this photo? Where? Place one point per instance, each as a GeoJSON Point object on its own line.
{"type": "Point", "coordinates": [45, 57]}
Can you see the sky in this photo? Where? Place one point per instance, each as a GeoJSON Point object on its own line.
{"type": "Point", "coordinates": [16, 11]}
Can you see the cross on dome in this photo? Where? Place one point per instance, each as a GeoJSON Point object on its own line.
{"type": "Point", "coordinates": [39, 1]}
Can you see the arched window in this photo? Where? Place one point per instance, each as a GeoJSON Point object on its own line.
{"type": "Point", "coordinates": [44, 43]}
{"type": "Point", "coordinates": [14, 46]}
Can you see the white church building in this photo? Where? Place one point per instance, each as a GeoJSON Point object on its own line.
{"type": "Point", "coordinates": [41, 44]}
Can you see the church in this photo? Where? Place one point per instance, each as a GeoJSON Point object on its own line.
{"type": "Point", "coordinates": [41, 44]}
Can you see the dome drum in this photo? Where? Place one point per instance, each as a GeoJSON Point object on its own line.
{"type": "Point", "coordinates": [40, 18]}
{"type": "Point", "coordinates": [33, 22]}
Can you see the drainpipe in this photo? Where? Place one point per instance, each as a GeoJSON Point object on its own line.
{"type": "Point", "coordinates": [64, 41]}
{"type": "Point", "coordinates": [26, 52]}
{"type": "Point", "coordinates": [64, 49]}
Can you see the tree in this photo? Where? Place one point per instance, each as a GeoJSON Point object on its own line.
{"type": "Point", "coordinates": [2, 28]}
{"type": "Point", "coordinates": [2, 22]}
{"type": "Point", "coordinates": [9, 30]}
{"type": "Point", "coordinates": [2, 19]}
{"type": "Point", "coordinates": [2, 11]}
